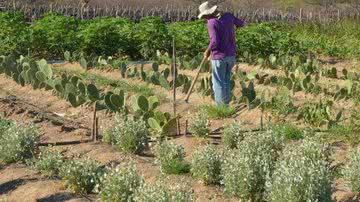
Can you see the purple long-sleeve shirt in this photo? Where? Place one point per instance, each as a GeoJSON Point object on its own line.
{"type": "Point", "coordinates": [222, 35]}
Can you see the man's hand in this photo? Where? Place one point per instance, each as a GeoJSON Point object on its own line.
{"type": "Point", "coordinates": [207, 54]}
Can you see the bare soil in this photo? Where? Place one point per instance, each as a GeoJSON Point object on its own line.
{"type": "Point", "coordinates": [20, 183]}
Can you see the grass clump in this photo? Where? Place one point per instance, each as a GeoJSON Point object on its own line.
{"type": "Point", "coordinates": [120, 183]}
{"type": "Point", "coordinates": [48, 161]}
{"type": "Point", "coordinates": [248, 169]}
{"type": "Point", "coordinates": [288, 131]}
{"type": "Point", "coordinates": [302, 174]}
{"type": "Point", "coordinates": [161, 192]}
{"type": "Point", "coordinates": [232, 135]}
{"type": "Point", "coordinates": [200, 125]}
{"type": "Point", "coordinates": [171, 156]}
{"type": "Point", "coordinates": [206, 164]}
{"type": "Point", "coordinates": [81, 175]}
{"type": "Point", "coordinates": [218, 112]}
{"type": "Point", "coordinates": [17, 142]}
{"type": "Point", "coordinates": [351, 171]}
{"type": "Point", "coordinates": [128, 135]}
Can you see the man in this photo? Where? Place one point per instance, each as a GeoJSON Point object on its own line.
{"type": "Point", "coordinates": [222, 48]}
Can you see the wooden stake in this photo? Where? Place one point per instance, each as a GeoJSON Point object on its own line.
{"type": "Point", "coordinates": [94, 124]}
{"type": "Point", "coordinates": [174, 85]}
{"type": "Point", "coordinates": [96, 129]}
{"type": "Point", "coordinates": [186, 127]}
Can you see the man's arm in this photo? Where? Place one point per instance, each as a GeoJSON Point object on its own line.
{"type": "Point", "coordinates": [214, 39]}
{"type": "Point", "coordinates": [238, 22]}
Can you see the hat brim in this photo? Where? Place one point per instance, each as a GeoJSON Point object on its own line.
{"type": "Point", "coordinates": [207, 12]}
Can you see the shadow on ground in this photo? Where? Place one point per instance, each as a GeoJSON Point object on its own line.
{"type": "Point", "coordinates": [13, 184]}
{"type": "Point", "coordinates": [59, 197]}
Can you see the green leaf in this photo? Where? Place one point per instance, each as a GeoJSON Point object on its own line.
{"type": "Point", "coordinates": [143, 103]}
{"type": "Point", "coordinates": [45, 68]}
{"type": "Point", "coordinates": [153, 102]}
{"type": "Point", "coordinates": [84, 63]}
{"type": "Point", "coordinates": [117, 101]}
{"type": "Point", "coordinates": [93, 92]}
{"type": "Point", "coordinates": [154, 124]}
{"type": "Point", "coordinates": [40, 76]}
{"type": "Point", "coordinates": [108, 102]}
{"type": "Point", "coordinates": [170, 127]}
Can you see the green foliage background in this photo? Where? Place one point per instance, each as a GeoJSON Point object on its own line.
{"type": "Point", "coordinates": [54, 34]}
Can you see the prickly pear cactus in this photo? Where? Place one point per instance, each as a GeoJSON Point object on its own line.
{"type": "Point", "coordinates": [67, 56]}
{"type": "Point", "coordinates": [84, 63]}
{"type": "Point", "coordinates": [45, 68]}
{"type": "Point", "coordinates": [162, 125]}
{"type": "Point", "coordinates": [93, 93]}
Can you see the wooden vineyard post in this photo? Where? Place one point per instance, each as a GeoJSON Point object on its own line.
{"type": "Point", "coordinates": [174, 71]}
{"type": "Point", "coordinates": [94, 129]}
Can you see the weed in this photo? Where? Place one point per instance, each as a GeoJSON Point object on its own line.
{"type": "Point", "coordinates": [48, 161]}
{"type": "Point", "coordinates": [232, 135]}
{"type": "Point", "coordinates": [200, 125]}
{"type": "Point", "coordinates": [161, 192]}
{"type": "Point", "coordinates": [17, 142]}
{"type": "Point", "coordinates": [128, 135]}
{"type": "Point", "coordinates": [170, 156]}
{"type": "Point", "coordinates": [247, 170]}
{"type": "Point", "coordinates": [351, 171]}
{"type": "Point", "coordinates": [302, 173]}
{"type": "Point", "coordinates": [120, 183]}
{"type": "Point", "coordinates": [81, 175]}
{"type": "Point", "coordinates": [206, 164]}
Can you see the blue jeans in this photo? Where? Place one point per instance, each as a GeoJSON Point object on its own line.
{"type": "Point", "coordinates": [221, 74]}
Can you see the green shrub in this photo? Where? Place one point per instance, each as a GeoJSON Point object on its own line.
{"type": "Point", "coordinates": [288, 131]}
{"type": "Point", "coordinates": [128, 135]}
{"type": "Point", "coordinates": [161, 192]}
{"type": "Point", "coordinates": [171, 156]}
{"type": "Point", "coordinates": [247, 170]}
{"type": "Point", "coordinates": [302, 174]}
{"type": "Point", "coordinates": [18, 142]}
{"type": "Point", "coordinates": [14, 33]}
{"type": "Point", "coordinates": [48, 161]}
{"type": "Point", "coordinates": [108, 36]}
{"type": "Point", "coordinates": [232, 135]}
{"type": "Point", "coordinates": [200, 125]}
{"type": "Point", "coordinates": [54, 34]}
{"type": "Point", "coordinates": [351, 171]}
{"type": "Point", "coordinates": [153, 35]}
{"type": "Point", "coordinates": [190, 37]}
{"type": "Point", "coordinates": [206, 164]}
{"type": "Point", "coordinates": [120, 183]}
{"type": "Point", "coordinates": [81, 175]}
{"type": "Point", "coordinates": [263, 40]}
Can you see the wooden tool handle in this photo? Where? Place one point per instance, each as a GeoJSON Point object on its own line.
{"type": "Point", "coordinates": [196, 77]}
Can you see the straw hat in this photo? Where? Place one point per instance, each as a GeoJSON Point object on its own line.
{"type": "Point", "coordinates": [206, 9]}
